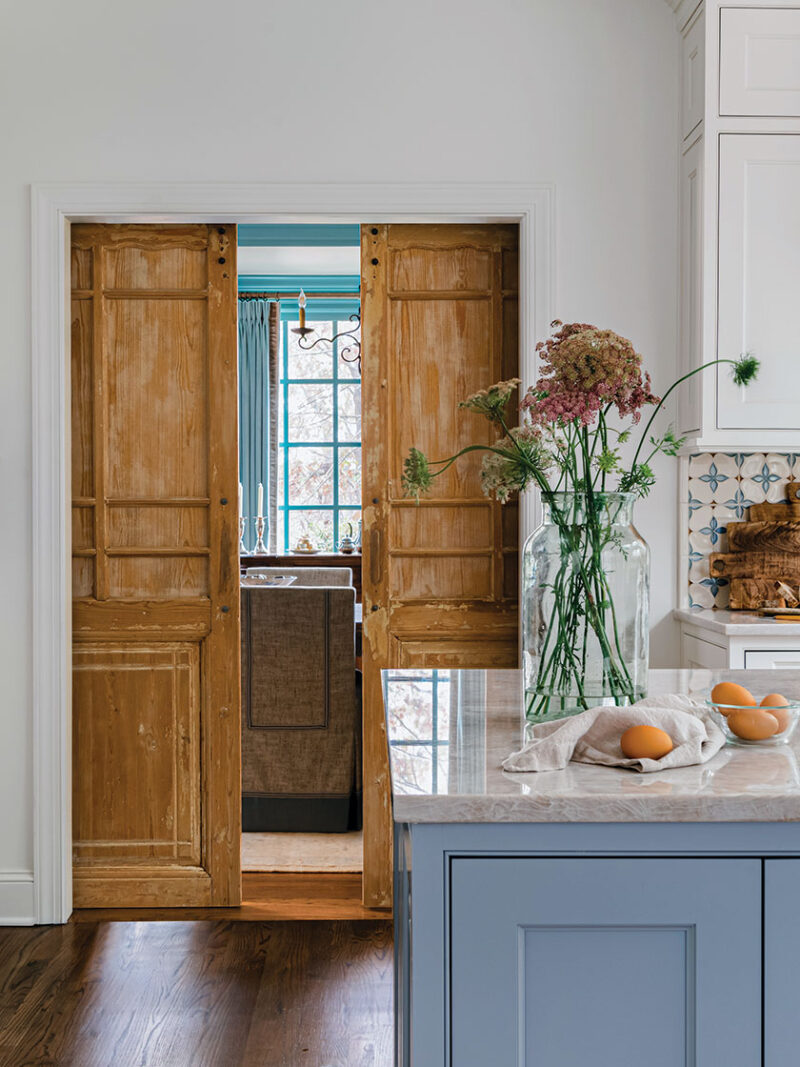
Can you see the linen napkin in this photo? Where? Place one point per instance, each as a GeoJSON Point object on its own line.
{"type": "Point", "coordinates": [593, 737]}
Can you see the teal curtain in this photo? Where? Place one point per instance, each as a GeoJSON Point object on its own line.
{"type": "Point", "coordinates": [255, 358]}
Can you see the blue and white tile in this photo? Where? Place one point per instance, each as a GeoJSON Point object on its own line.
{"type": "Point", "coordinates": [740, 502]}
{"type": "Point", "coordinates": [713, 468]}
{"type": "Point", "coordinates": [764, 476]}
{"type": "Point", "coordinates": [697, 561]}
{"type": "Point", "coordinates": [700, 596]}
{"type": "Point", "coordinates": [794, 466]}
{"type": "Point", "coordinates": [700, 463]}
{"type": "Point", "coordinates": [700, 492]}
{"type": "Point", "coordinates": [779, 473]}
{"type": "Point", "coordinates": [708, 526]}
{"type": "Point", "coordinates": [720, 590]}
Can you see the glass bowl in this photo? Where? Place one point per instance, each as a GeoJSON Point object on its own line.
{"type": "Point", "coordinates": [787, 717]}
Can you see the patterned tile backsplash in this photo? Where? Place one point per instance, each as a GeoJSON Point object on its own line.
{"type": "Point", "coordinates": [722, 486]}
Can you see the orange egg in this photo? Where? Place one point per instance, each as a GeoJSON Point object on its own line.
{"type": "Point", "coordinates": [776, 702]}
{"type": "Point", "coordinates": [731, 693]}
{"type": "Point", "coordinates": [645, 742]}
{"type": "Point", "coordinates": [753, 725]}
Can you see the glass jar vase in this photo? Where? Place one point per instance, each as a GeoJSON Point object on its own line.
{"type": "Point", "coordinates": [585, 603]}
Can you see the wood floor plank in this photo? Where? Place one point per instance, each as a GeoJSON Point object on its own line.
{"type": "Point", "coordinates": [197, 994]}
{"type": "Point", "coordinates": [301, 1000]}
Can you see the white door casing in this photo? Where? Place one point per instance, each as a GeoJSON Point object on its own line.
{"type": "Point", "coordinates": [53, 207]}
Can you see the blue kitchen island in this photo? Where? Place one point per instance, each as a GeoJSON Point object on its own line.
{"type": "Point", "coordinates": [590, 917]}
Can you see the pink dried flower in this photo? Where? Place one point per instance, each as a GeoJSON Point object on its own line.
{"type": "Point", "coordinates": [584, 370]}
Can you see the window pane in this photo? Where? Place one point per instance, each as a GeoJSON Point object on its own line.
{"type": "Point", "coordinates": [410, 710]}
{"type": "Point", "coordinates": [310, 412]}
{"type": "Point", "coordinates": [310, 476]}
{"type": "Point", "coordinates": [346, 369]}
{"type": "Point", "coordinates": [317, 362]}
{"type": "Point", "coordinates": [350, 412]}
{"type": "Point", "coordinates": [443, 708]}
{"type": "Point", "coordinates": [317, 526]}
{"type": "Point", "coordinates": [413, 767]}
{"type": "Point", "coordinates": [349, 476]}
{"type": "Point", "coordinates": [348, 519]}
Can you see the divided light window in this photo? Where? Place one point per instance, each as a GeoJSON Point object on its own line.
{"type": "Point", "coordinates": [319, 436]}
{"type": "Point", "coordinates": [419, 711]}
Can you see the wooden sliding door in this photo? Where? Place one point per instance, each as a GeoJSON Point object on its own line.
{"type": "Point", "coordinates": [440, 321]}
{"type": "Point", "coordinates": [156, 778]}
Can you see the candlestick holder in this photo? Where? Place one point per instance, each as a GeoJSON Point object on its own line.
{"type": "Point", "coordinates": [261, 548]}
{"type": "Point", "coordinates": [242, 546]}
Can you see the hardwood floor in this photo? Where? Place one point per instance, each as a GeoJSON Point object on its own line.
{"type": "Point", "coordinates": [266, 897]}
{"type": "Point", "coordinates": [197, 994]}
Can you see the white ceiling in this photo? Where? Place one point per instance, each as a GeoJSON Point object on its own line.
{"type": "Point", "coordinates": [298, 260]}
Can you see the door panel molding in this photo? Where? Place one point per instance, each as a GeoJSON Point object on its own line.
{"type": "Point", "coordinates": [53, 207]}
{"type": "Point", "coordinates": [156, 743]}
{"type": "Point", "coordinates": [440, 582]}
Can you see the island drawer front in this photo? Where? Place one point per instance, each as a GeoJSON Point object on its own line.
{"type": "Point", "coordinates": [608, 962]}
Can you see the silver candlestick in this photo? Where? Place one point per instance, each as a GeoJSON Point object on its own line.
{"type": "Point", "coordinates": [261, 548]}
{"type": "Point", "coordinates": [242, 546]}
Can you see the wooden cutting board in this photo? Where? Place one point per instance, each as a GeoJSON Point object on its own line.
{"type": "Point", "coordinates": [755, 565]}
{"type": "Point", "coordinates": [780, 512]}
{"type": "Point", "coordinates": [749, 593]}
{"type": "Point", "coordinates": [762, 563]}
{"type": "Point", "coordinates": [782, 537]}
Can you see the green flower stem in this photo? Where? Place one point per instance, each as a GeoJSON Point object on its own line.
{"type": "Point", "coordinates": [592, 586]}
{"type": "Point", "coordinates": [672, 388]}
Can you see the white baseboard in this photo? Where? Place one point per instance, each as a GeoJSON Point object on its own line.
{"type": "Point", "coordinates": [16, 898]}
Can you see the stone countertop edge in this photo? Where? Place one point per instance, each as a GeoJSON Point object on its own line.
{"type": "Point", "coordinates": [736, 623]}
{"type": "Point", "coordinates": [592, 809]}
{"type": "Point", "coordinates": [739, 784]}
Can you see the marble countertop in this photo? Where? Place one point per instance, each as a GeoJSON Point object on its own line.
{"type": "Point", "coordinates": [449, 730]}
{"type": "Point", "coordinates": [739, 623]}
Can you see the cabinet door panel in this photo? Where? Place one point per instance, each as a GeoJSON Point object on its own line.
{"type": "Point", "coordinates": [759, 61]}
{"type": "Point", "coordinates": [759, 278]}
{"type": "Point", "coordinates": [781, 961]}
{"type": "Point", "coordinates": [556, 962]}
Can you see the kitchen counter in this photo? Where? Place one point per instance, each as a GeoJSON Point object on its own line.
{"type": "Point", "coordinates": [480, 720]}
{"type": "Point", "coordinates": [585, 915]}
{"type": "Point", "coordinates": [738, 623]}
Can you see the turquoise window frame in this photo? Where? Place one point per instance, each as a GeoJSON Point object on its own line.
{"type": "Point", "coordinates": [285, 505]}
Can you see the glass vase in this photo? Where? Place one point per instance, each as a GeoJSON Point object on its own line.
{"type": "Point", "coordinates": [585, 601]}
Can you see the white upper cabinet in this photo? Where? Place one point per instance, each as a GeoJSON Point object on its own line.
{"type": "Point", "coordinates": [759, 61]}
{"type": "Point", "coordinates": [740, 222]}
{"type": "Point", "coordinates": [693, 73]}
{"type": "Point", "coordinates": [759, 278]}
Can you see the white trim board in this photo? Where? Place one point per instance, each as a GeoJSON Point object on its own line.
{"type": "Point", "coordinates": [53, 207]}
{"type": "Point", "coordinates": [16, 898]}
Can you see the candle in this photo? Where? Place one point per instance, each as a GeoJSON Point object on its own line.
{"type": "Point", "coordinates": [240, 499]}
{"type": "Point", "coordinates": [260, 511]}
{"type": "Point", "coordinates": [301, 304]}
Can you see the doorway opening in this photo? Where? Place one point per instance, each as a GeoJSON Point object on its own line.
{"type": "Point", "coordinates": [299, 319]}
{"type": "Point", "coordinates": [55, 208]}
{"type": "Point", "coordinates": [168, 761]}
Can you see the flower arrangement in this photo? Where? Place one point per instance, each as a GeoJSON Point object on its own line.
{"type": "Point", "coordinates": [584, 407]}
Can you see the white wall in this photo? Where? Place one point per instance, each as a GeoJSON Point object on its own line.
{"type": "Point", "coordinates": [582, 93]}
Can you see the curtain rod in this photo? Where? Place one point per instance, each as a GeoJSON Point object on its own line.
{"type": "Point", "coordinates": [294, 296]}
